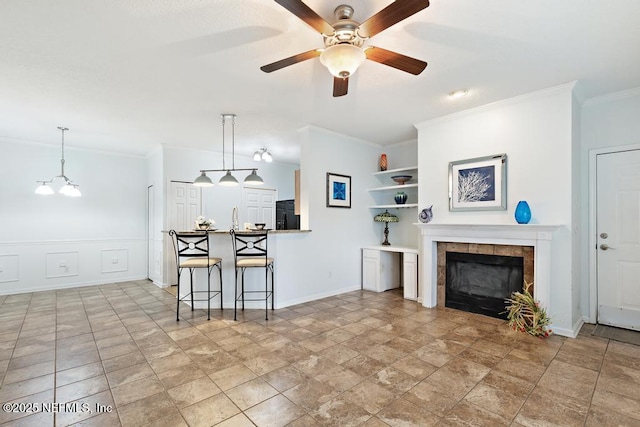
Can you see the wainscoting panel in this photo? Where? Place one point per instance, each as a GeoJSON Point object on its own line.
{"type": "Point", "coordinates": [45, 265]}
{"type": "Point", "coordinates": [9, 268]}
{"type": "Point", "coordinates": [115, 260]}
{"type": "Point", "coordinates": [61, 264]}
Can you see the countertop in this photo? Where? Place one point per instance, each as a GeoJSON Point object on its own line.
{"type": "Point", "coordinates": [222, 231]}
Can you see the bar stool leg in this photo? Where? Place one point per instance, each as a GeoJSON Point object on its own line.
{"type": "Point", "coordinates": [235, 298]}
{"type": "Point", "coordinates": [266, 292]}
{"type": "Point", "coordinates": [209, 294]}
{"type": "Point", "coordinates": [191, 285]}
{"type": "Point", "coordinates": [221, 299]}
{"type": "Point", "coordinates": [178, 299]}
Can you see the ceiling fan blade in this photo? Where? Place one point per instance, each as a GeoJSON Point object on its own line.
{"type": "Point", "coordinates": [304, 12]}
{"type": "Point", "coordinates": [390, 15]}
{"type": "Point", "coordinates": [340, 86]}
{"type": "Point", "coordinates": [395, 60]}
{"type": "Point", "coordinates": [290, 61]}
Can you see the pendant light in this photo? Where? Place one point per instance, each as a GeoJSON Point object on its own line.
{"type": "Point", "coordinates": [69, 188]}
{"type": "Point", "coordinates": [228, 180]}
{"type": "Point", "coordinates": [262, 154]}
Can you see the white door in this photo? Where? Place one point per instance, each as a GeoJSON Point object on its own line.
{"type": "Point", "coordinates": [184, 206]}
{"type": "Point", "coordinates": [618, 238]}
{"type": "Point", "coordinates": [259, 206]}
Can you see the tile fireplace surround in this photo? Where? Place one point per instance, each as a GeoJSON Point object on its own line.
{"type": "Point", "coordinates": [537, 236]}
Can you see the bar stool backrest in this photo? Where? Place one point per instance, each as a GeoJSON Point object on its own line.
{"type": "Point", "coordinates": [190, 245]}
{"type": "Point", "coordinates": [251, 244]}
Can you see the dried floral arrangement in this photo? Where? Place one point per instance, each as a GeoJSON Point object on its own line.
{"type": "Point", "coordinates": [525, 314]}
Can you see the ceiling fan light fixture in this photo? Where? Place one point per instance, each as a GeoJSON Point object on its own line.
{"type": "Point", "coordinates": [342, 60]}
{"type": "Point", "coordinates": [266, 156]}
{"type": "Point", "coordinates": [257, 156]}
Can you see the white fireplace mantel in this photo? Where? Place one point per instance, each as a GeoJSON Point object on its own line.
{"type": "Point", "coordinates": [536, 235]}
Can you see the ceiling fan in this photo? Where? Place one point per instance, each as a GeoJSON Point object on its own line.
{"type": "Point", "coordinates": [344, 39]}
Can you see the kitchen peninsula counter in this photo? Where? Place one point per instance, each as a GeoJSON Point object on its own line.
{"type": "Point", "coordinates": [287, 247]}
{"type": "Point", "coordinates": [223, 231]}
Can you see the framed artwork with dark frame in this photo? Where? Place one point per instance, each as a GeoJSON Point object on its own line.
{"type": "Point", "coordinates": [478, 184]}
{"type": "Point", "coordinates": [338, 190]}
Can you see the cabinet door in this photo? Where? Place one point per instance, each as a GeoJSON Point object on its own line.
{"type": "Point", "coordinates": [370, 270]}
{"type": "Point", "coordinates": [410, 275]}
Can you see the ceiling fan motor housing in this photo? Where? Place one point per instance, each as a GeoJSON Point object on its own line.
{"type": "Point", "coordinates": [345, 29]}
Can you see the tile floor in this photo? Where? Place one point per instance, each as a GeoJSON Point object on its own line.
{"type": "Point", "coordinates": [359, 358]}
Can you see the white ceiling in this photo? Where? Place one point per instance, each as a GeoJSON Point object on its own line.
{"type": "Point", "coordinates": [126, 75]}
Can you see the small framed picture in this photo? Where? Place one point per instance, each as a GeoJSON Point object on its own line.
{"type": "Point", "coordinates": [478, 184]}
{"type": "Point", "coordinates": [338, 190]}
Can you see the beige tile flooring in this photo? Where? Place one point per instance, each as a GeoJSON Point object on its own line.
{"type": "Point", "coordinates": [359, 358]}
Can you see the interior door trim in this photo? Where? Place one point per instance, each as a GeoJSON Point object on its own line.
{"type": "Point", "coordinates": [592, 224]}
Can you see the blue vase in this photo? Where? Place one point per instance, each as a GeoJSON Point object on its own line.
{"type": "Point", "coordinates": [523, 212]}
{"type": "Point", "coordinates": [401, 197]}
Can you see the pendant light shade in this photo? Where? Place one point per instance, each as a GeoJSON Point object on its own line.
{"type": "Point", "coordinates": [203, 180]}
{"type": "Point", "coordinates": [228, 180]}
{"type": "Point", "coordinates": [44, 189]}
{"type": "Point", "coordinates": [253, 179]}
{"type": "Point", "coordinates": [69, 188]}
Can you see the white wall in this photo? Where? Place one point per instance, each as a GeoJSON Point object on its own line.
{"type": "Point", "coordinates": [607, 122]}
{"type": "Point", "coordinates": [49, 242]}
{"type": "Point", "coordinates": [329, 259]}
{"type": "Point", "coordinates": [536, 132]}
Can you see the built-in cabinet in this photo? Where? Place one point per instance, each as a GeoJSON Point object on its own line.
{"type": "Point", "coordinates": [390, 267]}
{"type": "Point", "coordinates": [384, 194]}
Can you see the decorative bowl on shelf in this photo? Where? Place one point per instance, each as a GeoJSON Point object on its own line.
{"type": "Point", "coordinates": [260, 225]}
{"type": "Point", "coordinates": [401, 179]}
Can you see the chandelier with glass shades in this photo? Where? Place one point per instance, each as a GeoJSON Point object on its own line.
{"type": "Point", "coordinates": [69, 188]}
{"type": "Point", "coordinates": [228, 180]}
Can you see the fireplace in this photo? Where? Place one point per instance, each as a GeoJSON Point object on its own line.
{"type": "Point", "coordinates": [479, 283]}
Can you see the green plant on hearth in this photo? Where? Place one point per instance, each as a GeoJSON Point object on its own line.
{"type": "Point", "coordinates": [526, 315]}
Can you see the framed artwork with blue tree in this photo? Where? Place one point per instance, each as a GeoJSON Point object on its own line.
{"type": "Point", "coordinates": [478, 184]}
{"type": "Point", "coordinates": [338, 190]}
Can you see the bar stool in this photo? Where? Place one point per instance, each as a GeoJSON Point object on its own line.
{"type": "Point", "coordinates": [250, 251]}
{"type": "Point", "coordinates": [192, 252]}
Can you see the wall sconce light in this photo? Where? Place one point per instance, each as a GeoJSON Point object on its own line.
{"type": "Point", "coordinates": [69, 188]}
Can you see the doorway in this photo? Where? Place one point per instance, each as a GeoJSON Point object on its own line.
{"type": "Point", "coordinates": [617, 238]}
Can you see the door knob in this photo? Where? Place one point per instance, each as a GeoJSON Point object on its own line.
{"type": "Point", "coordinates": [605, 247]}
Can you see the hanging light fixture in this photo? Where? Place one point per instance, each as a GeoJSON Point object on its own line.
{"type": "Point", "coordinates": [228, 180]}
{"type": "Point", "coordinates": [262, 154]}
{"type": "Point", "coordinates": [343, 59]}
{"type": "Point", "coordinates": [69, 188]}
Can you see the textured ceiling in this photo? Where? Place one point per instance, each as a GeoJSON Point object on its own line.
{"type": "Point", "coordinates": [127, 75]}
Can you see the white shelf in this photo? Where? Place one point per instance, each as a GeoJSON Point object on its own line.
{"type": "Point", "coordinates": [399, 170]}
{"type": "Point", "coordinates": [397, 187]}
{"type": "Point", "coordinates": [395, 206]}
